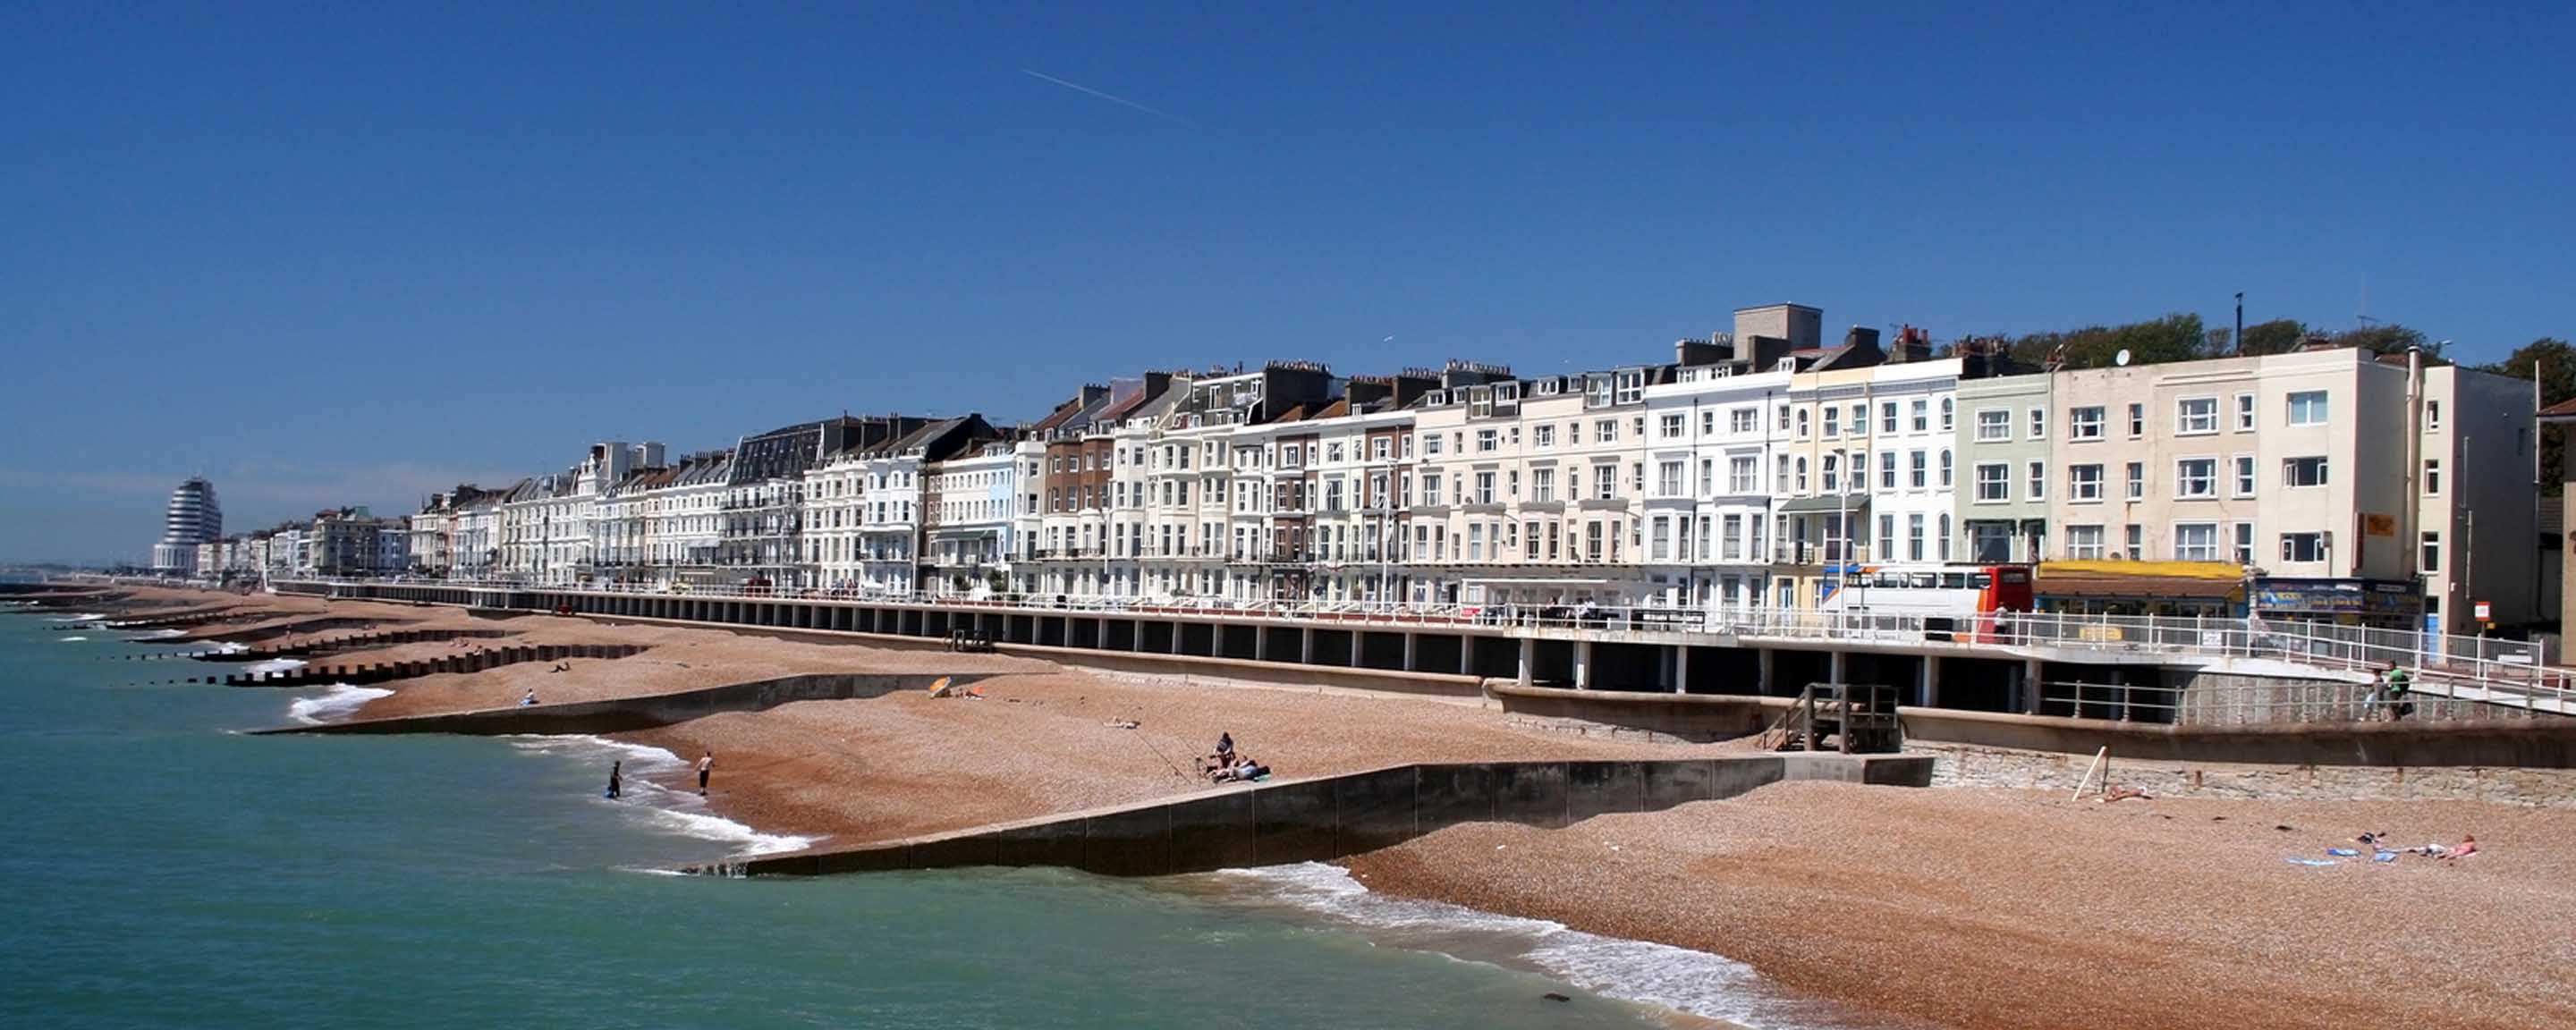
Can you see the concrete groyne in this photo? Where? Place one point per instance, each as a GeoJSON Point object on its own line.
{"type": "Point", "coordinates": [1330, 817]}
{"type": "Point", "coordinates": [618, 715]}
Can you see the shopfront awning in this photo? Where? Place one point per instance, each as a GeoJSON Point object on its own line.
{"type": "Point", "coordinates": [1825, 503]}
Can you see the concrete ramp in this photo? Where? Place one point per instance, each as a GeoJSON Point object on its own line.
{"type": "Point", "coordinates": [1329, 817]}
{"type": "Point", "coordinates": [619, 715]}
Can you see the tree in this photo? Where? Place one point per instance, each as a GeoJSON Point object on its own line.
{"type": "Point", "coordinates": [2277, 336]}
{"type": "Point", "coordinates": [2389, 338]}
{"type": "Point", "coordinates": [2554, 363]}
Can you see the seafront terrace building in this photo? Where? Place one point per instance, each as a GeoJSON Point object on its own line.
{"type": "Point", "coordinates": [970, 507]}
{"type": "Point", "coordinates": [1870, 449]}
{"type": "Point", "coordinates": [1757, 469]}
{"type": "Point", "coordinates": [354, 543]}
{"type": "Point", "coordinates": [763, 538]}
{"type": "Point", "coordinates": [2342, 485]}
{"type": "Point", "coordinates": [890, 512]}
{"type": "Point", "coordinates": [683, 526]}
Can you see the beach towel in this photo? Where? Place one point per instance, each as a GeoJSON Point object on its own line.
{"type": "Point", "coordinates": [2343, 852]}
{"type": "Point", "coordinates": [2311, 861]}
{"type": "Point", "coordinates": [2384, 856]}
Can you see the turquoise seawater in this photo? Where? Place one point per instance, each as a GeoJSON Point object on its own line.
{"type": "Point", "coordinates": [165, 870]}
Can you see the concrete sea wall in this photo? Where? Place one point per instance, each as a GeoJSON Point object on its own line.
{"type": "Point", "coordinates": [1324, 818]}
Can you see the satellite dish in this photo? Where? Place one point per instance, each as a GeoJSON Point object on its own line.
{"type": "Point", "coordinates": [2121, 359]}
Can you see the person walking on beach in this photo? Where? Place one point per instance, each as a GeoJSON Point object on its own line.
{"type": "Point", "coordinates": [616, 781]}
{"type": "Point", "coordinates": [705, 765]}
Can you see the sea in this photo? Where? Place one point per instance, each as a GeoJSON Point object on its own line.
{"type": "Point", "coordinates": [165, 869]}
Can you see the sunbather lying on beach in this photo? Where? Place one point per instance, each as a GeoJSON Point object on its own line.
{"type": "Point", "coordinates": [2468, 846]}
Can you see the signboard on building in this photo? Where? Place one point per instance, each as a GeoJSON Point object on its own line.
{"type": "Point", "coordinates": [2334, 598]}
{"type": "Point", "coordinates": [2378, 525]}
{"type": "Point", "coordinates": [2486, 612]}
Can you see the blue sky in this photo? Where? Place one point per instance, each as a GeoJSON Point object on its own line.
{"type": "Point", "coordinates": [334, 255]}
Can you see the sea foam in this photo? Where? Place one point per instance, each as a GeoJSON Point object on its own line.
{"type": "Point", "coordinates": [1693, 982]}
{"type": "Point", "coordinates": [673, 811]}
{"type": "Point", "coordinates": [159, 634]}
{"type": "Point", "coordinates": [83, 617]}
{"type": "Point", "coordinates": [68, 640]}
{"type": "Point", "coordinates": [333, 704]}
{"type": "Point", "coordinates": [273, 665]}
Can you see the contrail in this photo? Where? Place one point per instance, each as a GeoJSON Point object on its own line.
{"type": "Point", "coordinates": [1111, 97]}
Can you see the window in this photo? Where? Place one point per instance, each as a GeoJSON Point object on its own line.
{"type": "Point", "coordinates": [1945, 468]}
{"type": "Point", "coordinates": [1914, 537]}
{"type": "Point", "coordinates": [1605, 431]}
{"type": "Point", "coordinates": [1784, 418]}
{"type": "Point", "coordinates": [1887, 470]}
{"type": "Point", "coordinates": [2428, 554]}
{"type": "Point", "coordinates": [2038, 481]}
{"type": "Point", "coordinates": [2245, 413]}
{"type": "Point", "coordinates": [2137, 480]}
{"type": "Point", "coordinates": [1945, 414]}
{"type": "Point", "coordinates": [1780, 474]}
{"type": "Point", "coordinates": [1916, 469]}
{"type": "Point", "coordinates": [1922, 415]}
{"type": "Point", "coordinates": [2432, 415]}
{"type": "Point", "coordinates": [1431, 489]}
{"type": "Point", "coordinates": [1605, 480]}
{"type": "Point", "coordinates": [1543, 485]}
{"type": "Point", "coordinates": [2433, 476]}
{"type": "Point", "coordinates": [2137, 421]}
{"type": "Point", "coordinates": [1740, 474]}
{"type": "Point", "coordinates": [2196, 541]}
{"type": "Point", "coordinates": [2308, 408]}
{"type": "Point", "coordinates": [1668, 479]}
{"type": "Point", "coordinates": [1486, 440]}
{"type": "Point", "coordinates": [2196, 477]}
{"type": "Point", "coordinates": [2303, 547]}
{"type": "Point", "coordinates": [1802, 474]}
{"type": "Point", "coordinates": [1887, 416]}
{"type": "Point", "coordinates": [2244, 485]}
{"type": "Point", "coordinates": [2084, 483]}
{"type": "Point", "coordinates": [2084, 543]}
{"type": "Point", "coordinates": [1543, 436]}
{"type": "Point", "coordinates": [1833, 479]}
{"type": "Point", "coordinates": [1672, 426]}
{"type": "Point", "coordinates": [2039, 423]}
{"type": "Point", "coordinates": [1994, 482]}
{"type": "Point", "coordinates": [2303, 471]}
{"type": "Point", "coordinates": [2136, 542]}
{"type": "Point", "coordinates": [1860, 419]}
{"type": "Point", "coordinates": [1993, 424]}
{"type": "Point", "coordinates": [2244, 543]}
{"type": "Point", "coordinates": [2084, 423]}
{"type": "Point", "coordinates": [1740, 421]}
{"type": "Point", "coordinates": [1833, 421]}
{"type": "Point", "coordinates": [2193, 415]}
{"type": "Point", "coordinates": [1484, 487]}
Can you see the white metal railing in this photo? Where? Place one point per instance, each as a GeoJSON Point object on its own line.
{"type": "Point", "coordinates": [2497, 671]}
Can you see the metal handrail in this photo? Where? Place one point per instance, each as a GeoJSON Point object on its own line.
{"type": "Point", "coordinates": [2486, 669]}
